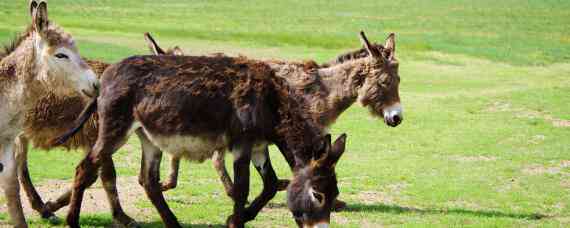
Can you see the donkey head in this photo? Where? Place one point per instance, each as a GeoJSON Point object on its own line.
{"type": "Point", "coordinates": [57, 58]}
{"type": "Point", "coordinates": [313, 190]}
{"type": "Point", "coordinates": [379, 91]}
{"type": "Point", "coordinates": [155, 49]}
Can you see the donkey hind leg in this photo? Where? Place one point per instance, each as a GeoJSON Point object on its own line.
{"type": "Point", "coordinates": [109, 181]}
{"type": "Point", "coordinates": [220, 165]}
{"type": "Point", "coordinates": [86, 171]}
{"type": "Point", "coordinates": [242, 158]}
{"type": "Point", "coordinates": [263, 166]}
{"type": "Point", "coordinates": [151, 177]}
{"type": "Point", "coordinates": [33, 196]}
{"type": "Point", "coordinates": [9, 182]}
{"type": "Point", "coordinates": [172, 180]}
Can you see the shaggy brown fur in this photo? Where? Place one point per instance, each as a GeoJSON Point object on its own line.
{"type": "Point", "coordinates": [327, 94]}
{"type": "Point", "coordinates": [237, 99]}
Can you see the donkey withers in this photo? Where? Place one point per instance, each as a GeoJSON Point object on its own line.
{"type": "Point", "coordinates": [217, 103]}
{"type": "Point", "coordinates": [43, 58]}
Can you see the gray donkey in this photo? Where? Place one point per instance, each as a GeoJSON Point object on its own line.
{"type": "Point", "coordinates": [42, 59]}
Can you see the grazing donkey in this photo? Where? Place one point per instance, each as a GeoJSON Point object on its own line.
{"type": "Point", "coordinates": [51, 117]}
{"type": "Point", "coordinates": [42, 59]}
{"type": "Point", "coordinates": [191, 106]}
{"type": "Point", "coordinates": [368, 75]}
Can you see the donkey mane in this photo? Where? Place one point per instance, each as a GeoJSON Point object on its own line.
{"type": "Point", "coordinates": [54, 35]}
{"type": "Point", "coordinates": [353, 55]}
{"type": "Point", "coordinates": [16, 41]}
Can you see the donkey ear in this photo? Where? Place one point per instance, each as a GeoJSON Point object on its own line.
{"type": "Point", "coordinates": [154, 48]}
{"type": "Point", "coordinates": [322, 148]}
{"type": "Point", "coordinates": [177, 51]}
{"type": "Point", "coordinates": [33, 6]}
{"type": "Point", "coordinates": [390, 45]}
{"type": "Point", "coordinates": [40, 16]}
{"type": "Point", "coordinates": [368, 46]}
{"type": "Point", "coordinates": [337, 149]}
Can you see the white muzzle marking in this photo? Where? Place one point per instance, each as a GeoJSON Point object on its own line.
{"type": "Point", "coordinates": [394, 110]}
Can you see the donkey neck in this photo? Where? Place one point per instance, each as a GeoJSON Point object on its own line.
{"type": "Point", "coordinates": [339, 86]}
{"type": "Point", "coordinates": [22, 69]}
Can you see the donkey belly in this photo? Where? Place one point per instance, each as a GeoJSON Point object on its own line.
{"type": "Point", "coordinates": [194, 148]}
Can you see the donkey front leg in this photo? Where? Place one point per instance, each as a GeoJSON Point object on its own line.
{"type": "Point", "coordinates": [151, 177]}
{"type": "Point", "coordinates": [33, 196]}
{"type": "Point", "coordinates": [9, 182]}
{"type": "Point", "coordinates": [242, 158]}
{"type": "Point", "coordinates": [263, 166]}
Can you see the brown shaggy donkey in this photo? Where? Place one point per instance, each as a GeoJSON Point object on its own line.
{"type": "Point", "coordinates": [330, 90]}
{"type": "Point", "coordinates": [52, 116]}
{"type": "Point", "coordinates": [42, 59]}
{"type": "Point", "coordinates": [192, 106]}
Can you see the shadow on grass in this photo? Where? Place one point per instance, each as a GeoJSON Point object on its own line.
{"type": "Point", "coordinates": [103, 221]}
{"type": "Point", "coordinates": [395, 209]}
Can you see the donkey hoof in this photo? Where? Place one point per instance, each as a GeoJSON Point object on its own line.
{"type": "Point", "coordinates": [166, 186]}
{"type": "Point", "coordinates": [282, 185]}
{"type": "Point", "coordinates": [53, 220]}
{"type": "Point", "coordinates": [133, 224]}
{"type": "Point", "coordinates": [233, 222]}
{"type": "Point", "coordinates": [126, 221]}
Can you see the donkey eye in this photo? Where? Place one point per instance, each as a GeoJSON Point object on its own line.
{"type": "Point", "coordinates": [61, 56]}
{"type": "Point", "coordinates": [318, 197]}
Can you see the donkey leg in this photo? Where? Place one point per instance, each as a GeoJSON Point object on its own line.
{"type": "Point", "coordinates": [263, 166]}
{"type": "Point", "coordinates": [62, 201]}
{"type": "Point", "coordinates": [242, 158]}
{"type": "Point", "coordinates": [172, 180]}
{"type": "Point", "coordinates": [282, 184]}
{"type": "Point", "coordinates": [33, 197]}
{"type": "Point", "coordinates": [9, 182]}
{"type": "Point", "coordinates": [85, 176]}
{"type": "Point", "coordinates": [86, 171]}
{"type": "Point", "coordinates": [220, 165]}
{"type": "Point", "coordinates": [109, 181]}
{"type": "Point", "coordinates": [151, 177]}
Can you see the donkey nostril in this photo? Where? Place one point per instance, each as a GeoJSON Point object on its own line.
{"type": "Point", "coordinates": [396, 119]}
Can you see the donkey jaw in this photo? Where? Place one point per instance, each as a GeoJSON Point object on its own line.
{"type": "Point", "coordinates": [88, 84]}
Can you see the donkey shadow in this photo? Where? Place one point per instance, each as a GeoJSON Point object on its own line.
{"type": "Point", "coordinates": [95, 221]}
{"type": "Point", "coordinates": [395, 209]}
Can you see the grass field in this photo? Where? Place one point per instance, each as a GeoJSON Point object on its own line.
{"type": "Point", "coordinates": [485, 86]}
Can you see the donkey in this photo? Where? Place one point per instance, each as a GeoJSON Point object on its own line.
{"type": "Point", "coordinates": [215, 103]}
{"type": "Point", "coordinates": [51, 117]}
{"type": "Point", "coordinates": [368, 75]}
{"type": "Point", "coordinates": [43, 59]}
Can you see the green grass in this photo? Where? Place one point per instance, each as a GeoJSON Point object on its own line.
{"type": "Point", "coordinates": [482, 85]}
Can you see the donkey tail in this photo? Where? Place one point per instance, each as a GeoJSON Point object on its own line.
{"type": "Point", "coordinates": [79, 123]}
